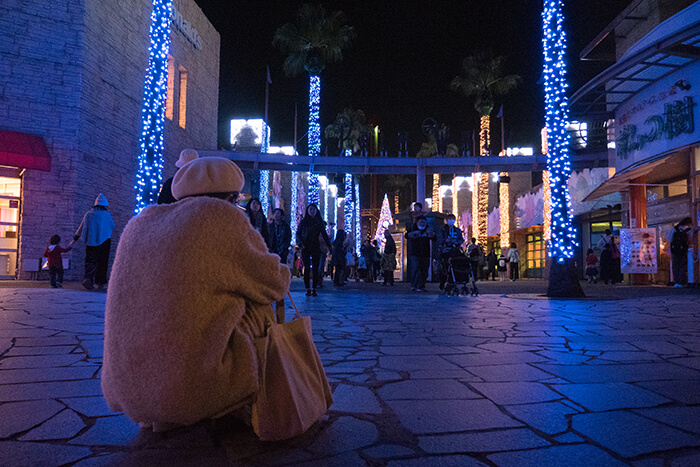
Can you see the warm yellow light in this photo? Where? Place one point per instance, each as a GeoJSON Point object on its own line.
{"type": "Point", "coordinates": [481, 185]}
{"type": "Point", "coordinates": [436, 193]}
{"type": "Point", "coordinates": [396, 203]}
{"type": "Point", "coordinates": [455, 207]}
{"type": "Point", "coordinates": [504, 203]}
{"type": "Point", "coordinates": [475, 202]}
{"type": "Point", "coordinates": [182, 107]}
{"type": "Point", "coordinates": [547, 196]}
{"type": "Point", "coordinates": [170, 93]}
{"type": "Point", "coordinates": [482, 233]}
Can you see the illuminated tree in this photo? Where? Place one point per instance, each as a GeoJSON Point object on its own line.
{"type": "Point", "coordinates": [347, 129]}
{"type": "Point", "coordinates": [482, 78]}
{"type": "Point", "coordinates": [150, 172]}
{"type": "Point", "coordinates": [314, 41]}
{"type": "Point", "coordinates": [563, 278]}
{"type": "Point", "coordinates": [385, 221]}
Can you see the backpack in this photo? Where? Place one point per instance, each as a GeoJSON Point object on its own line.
{"type": "Point", "coordinates": [502, 262]}
{"type": "Point", "coordinates": [679, 243]}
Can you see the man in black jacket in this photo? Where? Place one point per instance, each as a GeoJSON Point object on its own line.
{"type": "Point", "coordinates": [419, 257]}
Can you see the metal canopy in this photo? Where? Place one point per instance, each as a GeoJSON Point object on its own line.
{"type": "Point", "coordinates": [616, 85]}
{"type": "Point", "coordinates": [400, 165]}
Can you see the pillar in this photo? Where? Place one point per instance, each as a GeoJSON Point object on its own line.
{"type": "Point", "coordinates": [420, 182]}
{"type": "Point", "coordinates": [638, 217]}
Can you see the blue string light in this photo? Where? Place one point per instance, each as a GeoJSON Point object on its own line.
{"type": "Point", "coordinates": [563, 239]}
{"type": "Point", "coordinates": [293, 218]}
{"type": "Point", "coordinates": [265, 174]}
{"type": "Point", "coordinates": [150, 174]}
{"type": "Point", "coordinates": [347, 205]}
{"type": "Point", "coordinates": [314, 133]}
{"type": "Point", "coordinates": [358, 232]}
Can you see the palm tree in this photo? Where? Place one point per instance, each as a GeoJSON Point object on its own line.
{"type": "Point", "coordinates": [430, 149]}
{"type": "Point", "coordinates": [347, 129]}
{"type": "Point", "coordinates": [396, 184]}
{"type": "Point", "coordinates": [314, 41]}
{"type": "Point", "coordinates": [482, 78]}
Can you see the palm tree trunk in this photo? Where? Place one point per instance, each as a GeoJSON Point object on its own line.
{"type": "Point", "coordinates": [437, 200]}
{"type": "Point", "coordinates": [314, 137]}
{"type": "Point", "coordinates": [483, 191]}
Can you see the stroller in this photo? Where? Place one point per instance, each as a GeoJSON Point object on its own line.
{"type": "Point", "coordinates": [459, 273]}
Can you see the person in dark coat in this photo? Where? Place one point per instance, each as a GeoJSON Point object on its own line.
{"type": "Point", "coordinates": [419, 257]}
{"type": "Point", "coordinates": [607, 265]}
{"type": "Point", "coordinates": [309, 232]}
{"type": "Point", "coordinates": [338, 252]}
{"type": "Point", "coordinates": [388, 261]}
{"type": "Point", "coordinates": [680, 238]}
{"type": "Point", "coordinates": [280, 235]}
{"type": "Point", "coordinates": [253, 211]}
{"type": "Point", "coordinates": [166, 192]}
{"type": "Point", "coordinates": [491, 263]}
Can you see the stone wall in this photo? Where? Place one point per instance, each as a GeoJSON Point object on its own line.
{"type": "Point", "coordinates": [40, 86]}
{"type": "Point", "coordinates": [72, 72]}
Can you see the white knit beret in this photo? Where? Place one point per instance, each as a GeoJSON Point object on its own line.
{"type": "Point", "coordinates": [186, 156]}
{"type": "Point", "coordinates": [207, 175]}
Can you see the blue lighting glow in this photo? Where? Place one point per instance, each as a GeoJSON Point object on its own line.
{"type": "Point", "coordinates": [293, 217]}
{"type": "Point", "coordinates": [265, 174]}
{"type": "Point", "coordinates": [314, 133]}
{"type": "Point", "coordinates": [358, 230]}
{"type": "Point", "coordinates": [563, 238]}
{"type": "Point", "coordinates": [150, 172]}
{"type": "Point", "coordinates": [347, 206]}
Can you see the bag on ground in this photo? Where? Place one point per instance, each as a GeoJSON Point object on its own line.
{"type": "Point", "coordinates": [294, 391]}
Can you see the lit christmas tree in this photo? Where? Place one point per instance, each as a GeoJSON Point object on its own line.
{"type": "Point", "coordinates": [150, 172]}
{"type": "Point", "coordinates": [385, 220]}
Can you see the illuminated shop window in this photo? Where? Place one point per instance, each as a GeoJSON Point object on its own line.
{"type": "Point", "coordinates": [170, 95]}
{"type": "Point", "coordinates": [182, 107]}
{"type": "Point", "coordinates": [535, 251]}
{"type": "Point", "coordinates": [678, 188]}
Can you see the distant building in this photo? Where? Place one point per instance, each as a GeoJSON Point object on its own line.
{"type": "Point", "coordinates": [71, 90]}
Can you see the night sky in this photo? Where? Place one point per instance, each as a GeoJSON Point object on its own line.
{"type": "Point", "coordinates": [400, 65]}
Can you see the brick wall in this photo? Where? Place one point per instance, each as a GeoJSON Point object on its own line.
{"type": "Point", "coordinates": [72, 71]}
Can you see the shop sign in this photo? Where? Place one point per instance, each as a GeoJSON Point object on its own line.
{"type": "Point", "coordinates": [658, 119]}
{"type": "Point", "coordinates": [638, 251]}
{"type": "Point", "coordinates": [676, 119]}
{"type": "Point", "coordinates": [186, 29]}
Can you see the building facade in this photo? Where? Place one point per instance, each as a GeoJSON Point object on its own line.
{"type": "Point", "coordinates": [648, 100]}
{"type": "Point", "coordinates": [71, 78]}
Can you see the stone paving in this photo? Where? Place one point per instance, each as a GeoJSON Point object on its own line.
{"type": "Point", "coordinates": [418, 380]}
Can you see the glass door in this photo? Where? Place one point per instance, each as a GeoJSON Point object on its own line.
{"type": "Point", "coordinates": [535, 255]}
{"type": "Point", "coordinates": [10, 189]}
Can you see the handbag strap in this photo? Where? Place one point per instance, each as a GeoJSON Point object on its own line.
{"type": "Point", "coordinates": [297, 315]}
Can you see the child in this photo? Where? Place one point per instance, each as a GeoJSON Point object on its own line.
{"type": "Point", "coordinates": [55, 262]}
{"type": "Point", "coordinates": [502, 267]}
{"type": "Point", "coordinates": [591, 269]}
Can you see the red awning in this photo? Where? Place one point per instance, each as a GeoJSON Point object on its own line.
{"type": "Point", "coordinates": [24, 151]}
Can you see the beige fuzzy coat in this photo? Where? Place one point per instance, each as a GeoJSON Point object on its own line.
{"type": "Point", "coordinates": [189, 290]}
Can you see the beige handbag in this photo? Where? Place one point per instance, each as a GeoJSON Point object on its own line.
{"type": "Point", "coordinates": [294, 391]}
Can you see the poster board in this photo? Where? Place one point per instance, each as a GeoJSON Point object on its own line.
{"type": "Point", "coordinates": [398, 272]}
{"type": "Point", "coordinates": [638, 251]}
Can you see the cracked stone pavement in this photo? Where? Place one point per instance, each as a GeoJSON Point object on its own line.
{"type": "Point", "coordinates": [418, 380]}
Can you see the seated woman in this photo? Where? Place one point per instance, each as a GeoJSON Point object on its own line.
{"type": "Point", "coordinates": [190, 290]}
